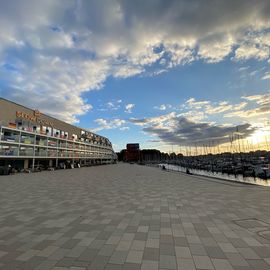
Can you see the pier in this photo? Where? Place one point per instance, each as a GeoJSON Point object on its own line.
{"type": "Point", "coordinates": [131, 217]}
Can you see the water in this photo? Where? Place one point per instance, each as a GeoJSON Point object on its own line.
{"type": "Point", "coordinates": [225, 176]}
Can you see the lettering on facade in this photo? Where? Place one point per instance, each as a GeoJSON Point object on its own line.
{"type": "Point", "coordinates": [33, 118]}
{"type": "Point", "coordinates": [37, 113]}
{"type": "Point", "coordinates": [87, 134]}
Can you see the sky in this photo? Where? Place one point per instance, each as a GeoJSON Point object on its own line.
{"type": "Point", "coordinates": [165, 74]}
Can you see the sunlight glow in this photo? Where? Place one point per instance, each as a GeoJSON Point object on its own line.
{"type": "Point", "coordinates": [259, 136]}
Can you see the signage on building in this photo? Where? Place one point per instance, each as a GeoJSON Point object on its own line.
{"type": "Point", "coordinates": [34, 118]}
{"type": "Point", "coordinates": [87, 134]}
{"type": "Point", "coordinates": [37, 113]}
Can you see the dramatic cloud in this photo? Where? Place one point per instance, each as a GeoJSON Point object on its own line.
{"type": "Point", "coordinates": [177, 130]}
{"type": "Point", "coordinates": [52, 52]}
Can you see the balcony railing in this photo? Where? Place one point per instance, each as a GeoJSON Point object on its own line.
{"type": "Point", "coordinates": [13, 142]}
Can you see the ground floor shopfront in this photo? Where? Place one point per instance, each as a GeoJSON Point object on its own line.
{"type": "Point", "coordinates": [18, 165]}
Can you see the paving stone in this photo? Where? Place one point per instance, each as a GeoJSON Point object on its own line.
{"type": "Point", "coordinates": [151, 254]}
{"type": "Point", "coordinates": [167, 249]}
{"type": "Point", "coordinates": [65, 262]}
{"type": "Point", "coordinates": [107, 250]}
{"type": "Point", "coordinates": [110, 266]}
{"type": "Point", "coordinates": [131, 266]}
{"type": "Point", "coordinates": [149, 265]}
{"type": "Point", "coordinates": [248, 253]}
{"type": "Point", "coordinates": [236, 259]}
{"type": "Point", "coordinates": [46, 265]}
{"type": "Point", "coordinates": [203, 262]}
{"type": "Point", "coordinates": [185, 264]}
{"type": "Point", "coordinates": [221, 264]}
{"type": "Point", "coordinates": [183, 252]}
{"type": "Point", "coordinates": [167, 262]}
{"type": "Point", "coordinates": [138, 245]}
{"type": "Point", "coordinates": [196, 249]}
{"type": "Point", "coordinates": [215, 252]}
{"type": "Point", "coordinates": [118, 257]}
{"type": "Point", "coordinates": [134, 256]}
{"type": "Point", "coordinates": [99, 263]}
{"type": "Point", "coordinates": [130, 217]}
{"type": "Point", "coordinates": [258, 264]}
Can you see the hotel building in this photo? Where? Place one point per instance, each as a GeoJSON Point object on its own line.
{"type": "Point", "coordinates": [29, 139]}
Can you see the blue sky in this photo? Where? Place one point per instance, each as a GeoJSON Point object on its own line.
{"type": "Point", "coordinates": [161, 73]}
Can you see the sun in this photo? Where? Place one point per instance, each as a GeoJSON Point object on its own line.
{"type": "Point", "coordinates": [259, 136]}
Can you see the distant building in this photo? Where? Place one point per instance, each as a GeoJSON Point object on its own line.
{"type": "Point", "coordinates": [132, 153]}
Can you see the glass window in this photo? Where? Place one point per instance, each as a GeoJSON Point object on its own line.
{"type": "Point", "coordinates": [52, 152]}
{"type": "Point", "coordinates": [10, 136]}
{"type": "Point", "coordinates": [27, 138]}
{"type": "Point", "coordinates": [9, 150]}
{"type": "Point", "coordinates": [70, 145]}
{"type": "Point", "coordinates": [38, 129]}
{"type": "Point", "coordinates": [42, 141]}
{"type": "Point", "coordinates": [52, 142]}
{"type": "Point", "coordinates": [62, 153]}
{"type": "Point", "coordinates": [56, 132]}
{"type": "Point", "coordinates": [49, 131]}
{"type": "Point", "coordinates": [62, 144]}
{"type": "Point", "coordinates": [41, 152]}
{"type": "Point", "coordinates": [26, 151]}
{"type": "Point", "coordinates": [70, 153]}
{"type": "Point", "coordinates": [76, 154]}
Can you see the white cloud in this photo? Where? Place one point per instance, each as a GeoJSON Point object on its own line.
{"type": "Point", "coordinates": [192, 103]}
{"type": "Point", "coordinates": [215, 48]}
{"type": "Point", "coordinates": [163, 107]}
{"type": "Point", "coordinates": [113, 105]}
{"type": "Point", "coordinates": [108, 124]}
{"type": "Point", "coordinates": [266, 76]}
{"type": "Point", "coordinates": [129, 107]}
{"type": "Point", "coordinates": [260, 103]}
{"type": "Point", "coordinates": [127, 71]}
{"type": "Point", "coordinates": [153, 120]}
{"type": "Point", "coordinates": [247, 51]}
{"type": "Point", "coordinates": [124, 128]}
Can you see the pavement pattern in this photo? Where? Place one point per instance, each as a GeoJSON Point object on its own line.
{"type": "Point", "coordinates": [131, 217]}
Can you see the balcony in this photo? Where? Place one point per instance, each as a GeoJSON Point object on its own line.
{"type": "Point", "coordinates": [8, 150]}
{"type": "Point", "coordinates": [15, 142]}
{"type": "Point", "coordinates": [10, 136]}
{"type": "Point", "coordinates": [26, 151]}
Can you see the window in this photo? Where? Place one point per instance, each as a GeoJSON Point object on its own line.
{"type": "Point", "coordinates": [27, 138]}
{"type": "Point", "coordinates": [10, 136]}
{"type": "Point", "coordinates": [26, 151]}
{"type": "Point", "coordinates": [9, 150]}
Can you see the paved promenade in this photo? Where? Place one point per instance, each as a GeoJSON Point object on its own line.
{"type": "Point", "coordinates": [129, 217]}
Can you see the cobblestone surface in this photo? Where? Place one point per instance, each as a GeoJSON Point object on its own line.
{"type": "Point", "coordinates": [125, 217]}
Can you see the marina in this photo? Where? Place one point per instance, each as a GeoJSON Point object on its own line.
{"type": "Point", "coordinates": [218, 175]}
